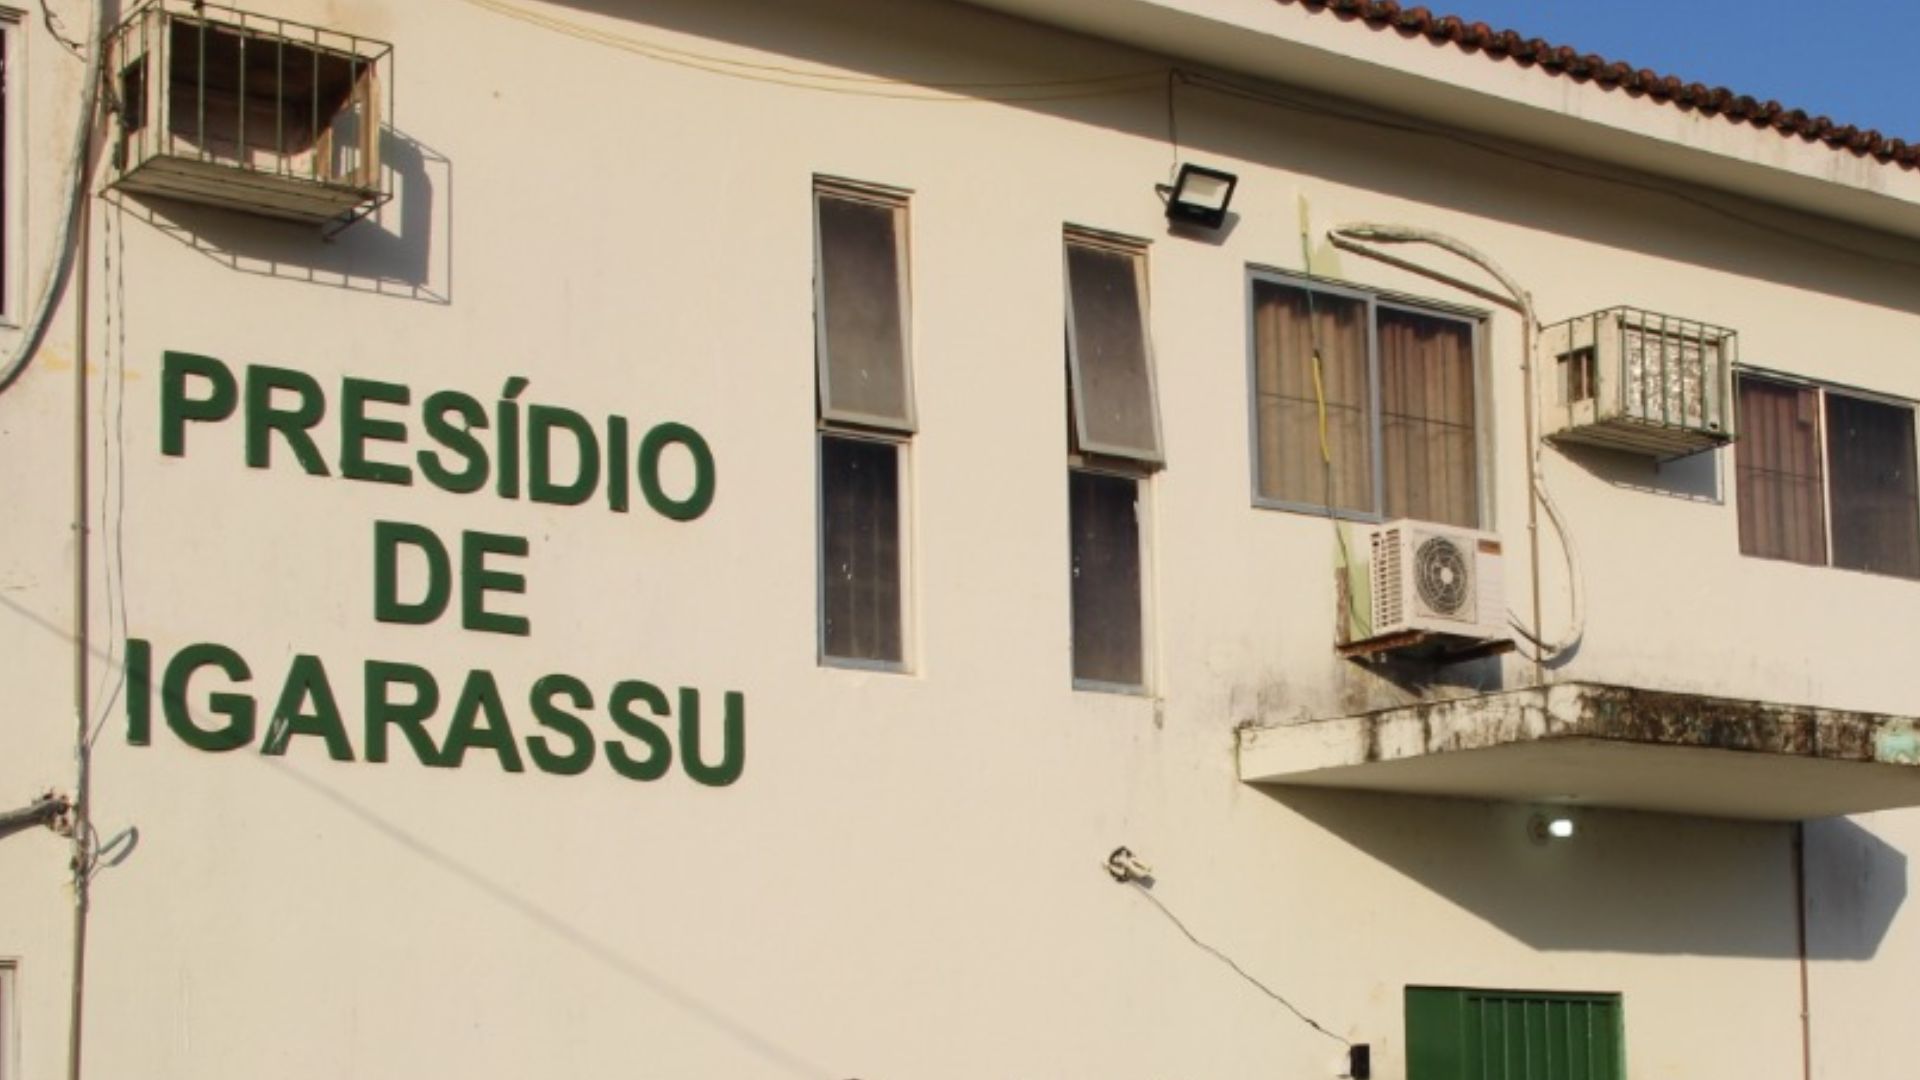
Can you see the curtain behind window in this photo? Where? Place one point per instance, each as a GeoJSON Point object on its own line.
{"type": "Point", "coordinates": [1427, 430]}
{"type": "Point", "coordinates": [1777, 472]}
{"type": "Point", "coordinates": [1290, 467]}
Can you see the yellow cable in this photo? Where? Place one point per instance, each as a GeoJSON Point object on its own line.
{"type": "Point", "coordinates": [1320, 403]}
{"type": "Point", "coordinates": [1313, 337]}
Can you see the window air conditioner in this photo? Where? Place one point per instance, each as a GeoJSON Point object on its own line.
{"type": "Point", "coordinates": [1426, 587]}
{"type": "Point", "coordinates": [1636, 381]}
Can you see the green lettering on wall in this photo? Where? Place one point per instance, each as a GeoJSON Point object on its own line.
{"type": "Point", "coordinates": [506, 445]}
{"type": "Point", "coordinates": [388, 537]}
{"type": "Point", "coordinates": [139, 671]}
{"type": "Point", "coordinates": [733, 754]}
{"type": "Point", "coordinates": [307, 681]}
{"type": "Point", "coordinates": [553, 717]}
{"type": "Point", "coordinates": [701, 496]}
{"type": "Point", "coordinates": [617, 486]}
{"type": "Point", "coordinates": [542, 422]}
{"type": "Point", "coordinates": [357, 429]}
{"type": "Point", "coordinates": [294, 423]}
{"type": "Point", "coordinates": [473, 475]}
{"type": "Point", "coordinates": [659, 751]}
{"type": "Point", "coordinates": [237, 708]}
{"type": "Point", "coordinates": [480, 699]}
{"type": "Point", "coordinates": [176, 408]}
{"type": "Point", "coordinates": [476, 581]}
{"type": "Point", "coordinates": [410, 717]}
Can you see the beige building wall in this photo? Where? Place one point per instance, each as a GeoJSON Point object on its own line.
{"type": "Point", "coordinates": [612, 201]}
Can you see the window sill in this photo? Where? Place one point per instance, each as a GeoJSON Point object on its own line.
{"type": "Point", "coordinates": [1308, 510]}
{"type": "Point", "coordinates": [1879, 575]}
{"type": "Point", "coordinates": [849, 663]}
{"type": "Point", "coordinates": [1093, 686]}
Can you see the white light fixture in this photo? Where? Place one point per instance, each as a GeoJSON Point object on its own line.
{"type": "Point", "coordinates": [1199, 196]}
{"type": "Point", "coordinates": [1548, 827]}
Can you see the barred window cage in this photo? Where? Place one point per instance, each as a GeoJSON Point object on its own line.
{"type": "Point", "coordinates": [251, 112]}
{"type": "Point", "coordinates": [1638, 381]}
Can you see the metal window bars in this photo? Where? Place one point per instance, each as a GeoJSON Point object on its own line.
{"type": "Point", "coordinates": [1640, 381]}
{"type": "Point", "coordinates": [252, 112]}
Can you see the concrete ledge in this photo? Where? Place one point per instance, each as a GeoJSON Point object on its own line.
{"type": "Point", "coordinates": [1600, 745]}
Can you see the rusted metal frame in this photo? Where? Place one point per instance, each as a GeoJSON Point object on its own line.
{"type": "Point", "coordinates": [1409, 639]}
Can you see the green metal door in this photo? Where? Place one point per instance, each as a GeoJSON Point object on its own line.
{"type": "Point", "coordinates": [1513, 1035]}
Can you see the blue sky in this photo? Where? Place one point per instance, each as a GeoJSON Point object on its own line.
{"type": "Point", "coordinates": [1853, 60]}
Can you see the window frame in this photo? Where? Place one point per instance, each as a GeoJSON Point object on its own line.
{"type": "Point", "coordinates": [9, 1017]}
{"type": "Point", "coordinates": [1135, 250]}
{"type": "Point", "coordinates": [896, 201]}
{"type": "Point", "coordinates": [858, 427]}
{"type": "Point", "coordinates": [1142, 520]}
{"type": "Point", "coordinates": [902, 497]}
{"type": "Point", "coordinates": [1475, 319]}
{"type": "Point", "coordinates": [1114, 462]}
{"type": "Point", "coordinates": [13, 170]}
{"type": "Point", "coordinates": [1822, 444]}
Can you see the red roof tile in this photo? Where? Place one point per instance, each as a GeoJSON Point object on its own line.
{"type": "Point", "coordinates": [1584, 67]}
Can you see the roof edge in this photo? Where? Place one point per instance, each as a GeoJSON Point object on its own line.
{"type": "Point", "coordinates": [1441, 76]}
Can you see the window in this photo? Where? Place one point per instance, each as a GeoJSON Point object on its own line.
{"type": "Point", "coordinates": [866, 421]}
{"type": "Point", "coordinates": [1113, 445]}
{"type": "Point", "coordinates": [12, 295]}
{"type": "Point", "coordinates": [9, 1037]}
{"type": "Point", "coordinates": [1825, 476]}
{"type": "Point", "coordinates": [1384, 425]}
{"type": "Point", "coordinates": [1513, 1035]}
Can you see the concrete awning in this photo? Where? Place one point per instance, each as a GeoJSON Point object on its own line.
{"type": "Point", "coordinates": [1596, 745]}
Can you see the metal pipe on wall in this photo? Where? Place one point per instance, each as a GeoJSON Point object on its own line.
{"type": "Point", "coordinates": [81, 252]}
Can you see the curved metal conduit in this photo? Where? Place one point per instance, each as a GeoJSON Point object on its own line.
{"type": "Point", "coordinates": [1358, 237]}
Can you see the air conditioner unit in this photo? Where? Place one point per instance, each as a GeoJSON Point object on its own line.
{"type": "Point", "coordinates": [1636, 381]}
{"type": "Point", "coordinates": [249, 112]}
{"type": "Point", "coordinates": [1425, 588]}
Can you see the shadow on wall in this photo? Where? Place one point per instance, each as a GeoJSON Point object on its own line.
{"type": "Point", "coordinates": [1695, 478]}
{"type": "Point", "coordinates": [1627, 882]}
{"type": "Point", "coordinates": [403, 250]}
{"type": "Point", "coordinates": [952, 49]}
{"type": "Point", "coordinates": [1855, 884]}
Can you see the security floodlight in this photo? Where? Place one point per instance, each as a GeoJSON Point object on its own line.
{"type": "Point", "coordinates": [1199, 196]}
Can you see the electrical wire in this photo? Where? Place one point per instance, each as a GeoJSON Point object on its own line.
{"type": "Point", "coordinates": [59, 35]}
{"type": "Point", "coordinates": [1320, 410]}
{"type": "Point", "coordinates": [113, 465]}
{"type": "Point", "coordinates": [1142, 889]}
{"type": "Point", "coordinates": [1173, 126]}
{"type": "Point", "coordinates": [1321, 108]}
{"type": "Point", "coordinates": [74, 181]}
{"type": "Point", "coordinates": [833, 82]}
{"type": "Point", "coordinates": [1351, 237]}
